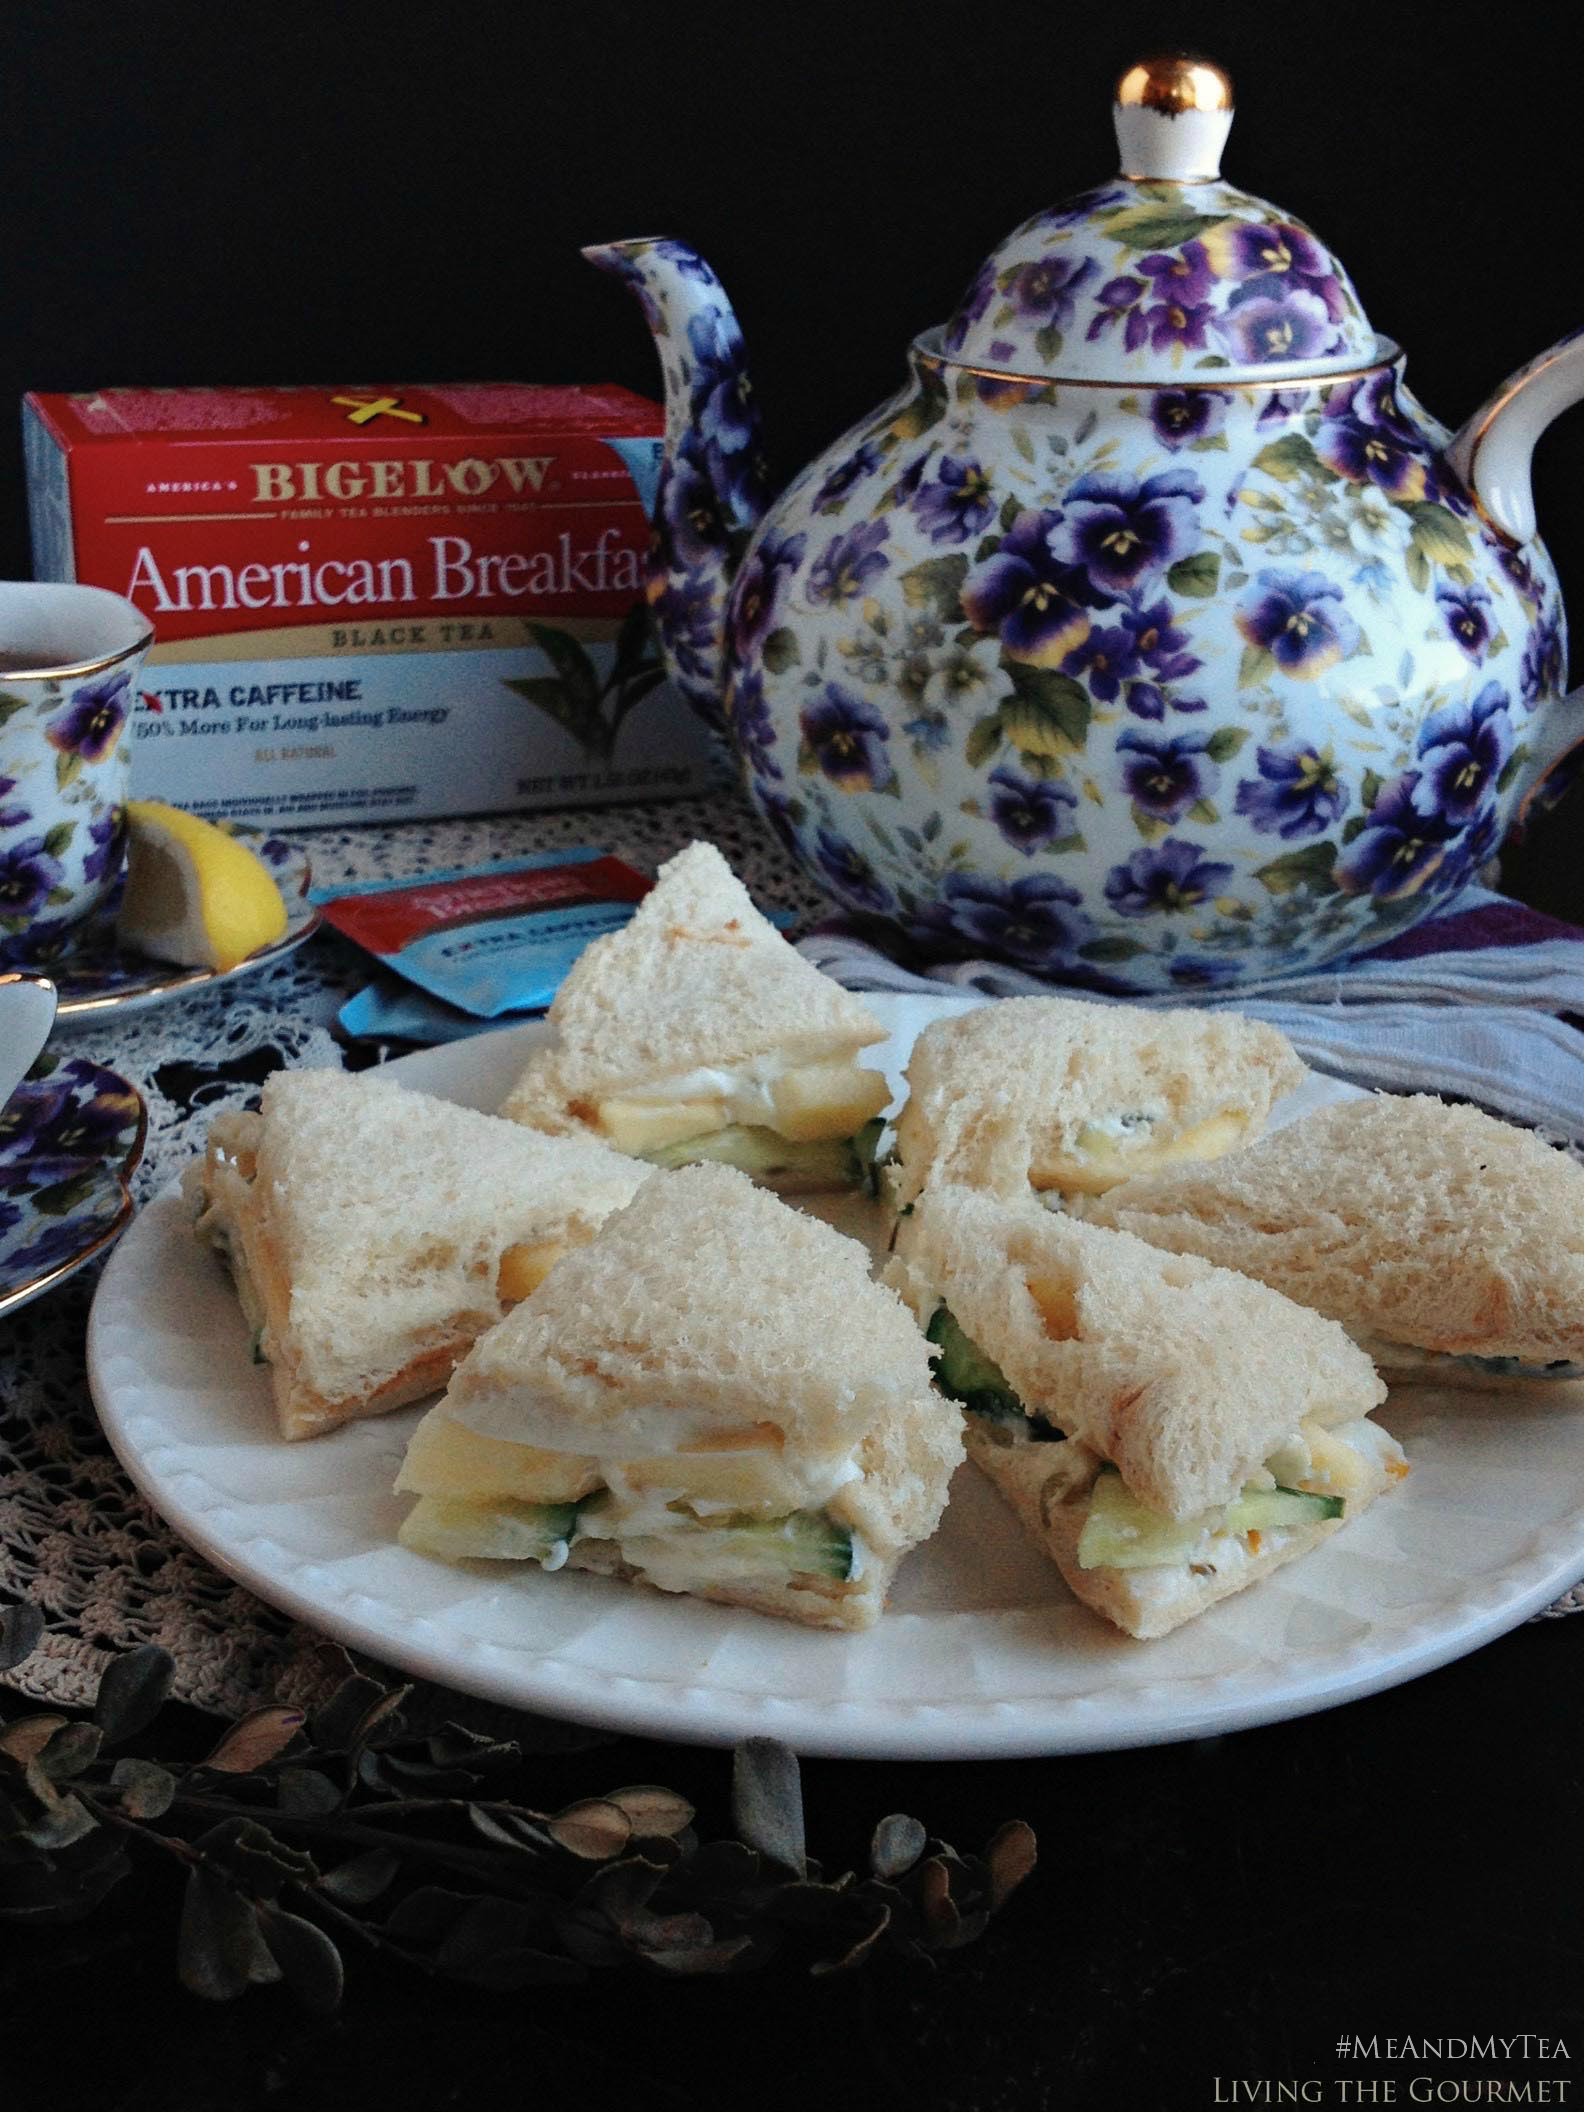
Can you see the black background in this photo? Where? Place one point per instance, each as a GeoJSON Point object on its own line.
{"type": "Point", "coordinates": [287, 193]}
{"type": "Point", "coordinates": [205, 194]}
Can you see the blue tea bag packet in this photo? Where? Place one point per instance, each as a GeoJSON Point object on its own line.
{"type": "Point", "coordinates": [489, 940]}
{"type": "Point", "coordinates": [476, 947]}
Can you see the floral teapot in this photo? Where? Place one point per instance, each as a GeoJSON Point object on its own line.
{"type": "Point", "coordinates": [1153, 636]}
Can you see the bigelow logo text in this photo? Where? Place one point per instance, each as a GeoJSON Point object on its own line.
{"type": "Point", "coordinates": [355, 477]}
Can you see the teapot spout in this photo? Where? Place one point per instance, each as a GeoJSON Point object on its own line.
{"type": "Point", "coordinates": [712, 490]}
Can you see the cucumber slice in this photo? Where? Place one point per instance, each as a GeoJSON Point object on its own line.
{"type": "Point", "coordinates": [804, 1540]}
{"type": "Point", "coordinates": [1120, 1533]}
{"type": "Point", "coordinates": [1263, 1508]}
{"type": "Point", "coordinates": [867, 1153]}
{"type": "Point", "coordinates": [966, 1374]}
{"type": "Point", "coordinates": [504, 1530]}
{"type": "Point", "coordinates": [826, 1163]}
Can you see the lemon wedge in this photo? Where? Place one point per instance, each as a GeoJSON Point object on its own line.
{"type": "Point", "coordinates": [194, 895]}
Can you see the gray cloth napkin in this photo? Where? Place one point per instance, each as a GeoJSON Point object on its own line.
{"type": "Point", "coordinates": [1468, 1004]}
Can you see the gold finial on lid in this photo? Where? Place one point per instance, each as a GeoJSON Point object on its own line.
{"type": "Point", "coordinates": [1172, 114]}
{"type": "Point", "coordinates": [1171, 81]}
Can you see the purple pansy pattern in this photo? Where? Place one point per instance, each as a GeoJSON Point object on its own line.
{"type": "Point", "coordinates": [1149, 278]}
{"type": "Point", "coordinates": [1087, 719]}
{"type": "Point", "coordinates": [1149, 685]}
{"type": "Point", "coordinates": [70, 1137]}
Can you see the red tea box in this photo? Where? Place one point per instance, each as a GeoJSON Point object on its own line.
{"type": "Point", "coordinates": [371, 601]}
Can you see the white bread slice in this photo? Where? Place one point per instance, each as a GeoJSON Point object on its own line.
{"type": "Point", "coordinates": [1406, 1219]}
{"type": "Point", "coordinates": [696, 980]}
{"type": "Point", "coordinates": [705, 1321]}
{"type": "Point", "coordinates": [1184, 1376]}
{"type": "Point", "coordinates": [1059, 1094]}
{"type": "Point", "coordinates": [374, 1232]}
{"type": "Point", "coordinates": [1051, 1499]}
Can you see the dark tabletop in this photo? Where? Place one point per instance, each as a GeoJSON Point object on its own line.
{"type": "Point", "coordinates": [1226, 1909]}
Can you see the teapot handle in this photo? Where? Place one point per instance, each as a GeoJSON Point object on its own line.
{"type": "Point", "coordinates": [1554, 734]}
{"type": "Point", "coordinates": [1491, 454]}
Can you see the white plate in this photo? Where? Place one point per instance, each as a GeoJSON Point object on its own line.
{"type": "Point", "coordinates": [982, 1651]}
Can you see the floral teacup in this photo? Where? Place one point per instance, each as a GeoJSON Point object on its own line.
{"type": "Point", "coordinates": [69, 660]}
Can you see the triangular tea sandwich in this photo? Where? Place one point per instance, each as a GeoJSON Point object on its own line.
{"type": "Point", "coordinates": [1446, 1242]}
{"type": "Point", "coordinates": [713, 1397]}
{"type": "Point", "coordinates": [372, 1232]}
{"type": "Point", "coordinates": [696, 1032]}
{"type": "Point", "coordinates": [1166, 1432]}
{"type": "Point", "coordinates": [1065, 1096]}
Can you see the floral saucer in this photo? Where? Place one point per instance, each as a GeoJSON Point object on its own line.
{"type": "Point", "coordinates": [94, 973]}
{"type": "Point", "coordinates": [70, 1137]}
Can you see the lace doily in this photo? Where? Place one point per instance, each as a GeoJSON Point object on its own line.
{"type": "Point", "coordinates": [74, 1535]}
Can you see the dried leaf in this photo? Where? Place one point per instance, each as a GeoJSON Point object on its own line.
{"type": "Point", "coordinates": [220, 1951]}
{"type": "Point", "coordinates": [592, 1828]}
{"type": "Point", "coordinates": [726, 1866]}
{"type": "Point", "coordinates": [255, 1740]}
{"type": "Point", "coordinates": [669, 1933]}
{"type": "Point", "coordinates": [454, 1746]}
{"type": "Point", "coordinates": [21, 1629]}
{"type": "Point", "coordinates": [132, 1689]}
{"type": "Point", "coordinates": [589, 1938]}
{"type": "Point", "coordinates": [652, 1810]}
{"type": "Point", "coordinates": [145, 1789]}
{"type": "Point", "coordinates": [934, 1897]}
{"type": "Point", "coordinates": [255, 1857]}
{"type": "Point", "coordinates": [767, 1801]}
{"type": "Point", "coordinates": [426, 1914]}
{"type": "Point", "coordinates": [384, 1710]}
{"type": "Point", "coordinates": [334, 1725]}
{"type": "Point", "coordinates": [856, 1952]}
{"type": "Point", "coordinates": [380, 1769]}
{"type": "Point", "coordinates": [522, 1967]}
{"type": "Point", "coordinates": [307, 1958]}
{"type": "Point", "coordinates": [487, 1946]}
{"type": "Point", "coordinates": [362, 1878]}
{"type": "Point", "coordinates": [1009, 1857]}
{"type": "Point", "coordinates": [26, 1737]}
{"type": "Point", "coordinates": [306, 1791]}
{"type": "Point", "coordinates": [60, 1822]}
{"type": "Point", "coordinates": [717, 1958]}
{"type": "Point", "coordinates": [71, 1750]}
{"type": "Point", "coordinates": [508, 1830]}
{"type": "Point", "coordinates": [68, 1886]}
{"type": "Point", "coordinates": [897, 1845]}
{"type": "Point", "coordinates": [622, 1891]}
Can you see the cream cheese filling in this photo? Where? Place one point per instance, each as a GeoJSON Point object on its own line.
{"type": "Point", "coordinates": [635, 1494]}
{"type": "Point", "coordinates": [807, 1101]}
{"type": "Point", "coordinates": [1112, 1148]}
{"type": "Point", "coordinates": [654, 1513]}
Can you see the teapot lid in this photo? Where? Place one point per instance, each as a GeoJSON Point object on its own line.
{"type": "Point", "coordinates": [1167, 274]}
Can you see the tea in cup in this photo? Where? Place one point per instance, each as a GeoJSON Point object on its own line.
{"type": "Point", "coordinates": [69, 662]}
